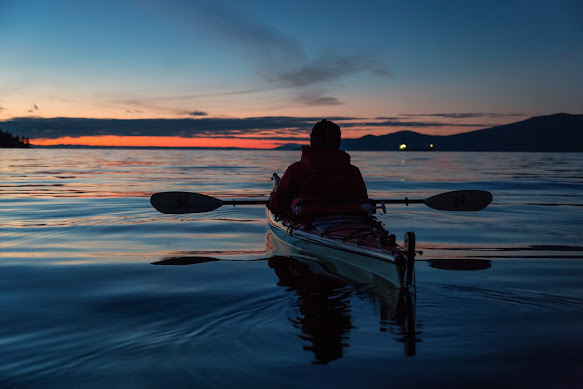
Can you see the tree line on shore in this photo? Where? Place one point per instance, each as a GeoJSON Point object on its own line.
{"type": "Point", "coordinates": [7, 140]}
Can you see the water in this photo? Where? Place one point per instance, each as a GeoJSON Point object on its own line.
{"type": "Point", "coordinates": [498, 303]}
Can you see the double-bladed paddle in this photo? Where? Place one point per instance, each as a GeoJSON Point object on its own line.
{"type": "Point", "coordinates": [186, 202]}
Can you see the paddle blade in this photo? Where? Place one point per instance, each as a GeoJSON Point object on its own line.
{"type": "Point", "coordinates": [460, 200]}
{"type": "Point", "coordinates": [184, 202]}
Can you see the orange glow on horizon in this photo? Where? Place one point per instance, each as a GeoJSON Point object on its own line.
{"type": "Point", "coordinates": [161, 141]}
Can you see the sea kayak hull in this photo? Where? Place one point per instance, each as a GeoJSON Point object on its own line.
{"type": "Point", "coordinates": [361, 263]}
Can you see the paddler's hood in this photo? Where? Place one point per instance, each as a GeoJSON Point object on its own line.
{"type": "Point", "coordinates": [320, 160]}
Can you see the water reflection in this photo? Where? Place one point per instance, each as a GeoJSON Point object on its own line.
{"type": "Point", "coordinates": [319, 284]}
{"type": "Point", "coordinates": [322, 305]}
{"type": "Point", "coordinates": [324, 308]}
{"type": "Point", "coordinates": [186, 260]}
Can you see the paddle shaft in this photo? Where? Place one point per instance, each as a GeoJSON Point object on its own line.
{"type": "Point", "coordinates": [264, 202]}
{"type": "Point", "coordinates": [244, 202]}
{"type": "Point", "coordinates": [406, 201]}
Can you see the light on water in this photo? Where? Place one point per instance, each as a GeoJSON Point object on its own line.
{"type": "Point", "coordinates": [98, 289]}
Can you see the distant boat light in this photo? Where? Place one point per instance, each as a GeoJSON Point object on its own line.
{"type": "Point", "coordinates": [403, 146]}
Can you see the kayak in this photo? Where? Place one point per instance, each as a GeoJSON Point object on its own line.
{"type": "Point", "coordinates": [354, 246]}
{"type": "Point", "coordinates": [349, 246]}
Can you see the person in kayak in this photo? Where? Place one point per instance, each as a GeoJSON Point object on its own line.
{"type": "Point", "coordinates": [323, 174]}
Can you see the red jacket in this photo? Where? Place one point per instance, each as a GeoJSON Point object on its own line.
{"type": "Point", "coordinates": [324, 174]}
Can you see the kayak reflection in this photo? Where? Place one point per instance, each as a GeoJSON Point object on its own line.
{"type": "Point", "coordinates": [324, 294]}
{"type": "Point", "coordinates": [324, 307]}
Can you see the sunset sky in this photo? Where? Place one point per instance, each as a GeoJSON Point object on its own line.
{"type": "Point", "coordinates": [260, 73]}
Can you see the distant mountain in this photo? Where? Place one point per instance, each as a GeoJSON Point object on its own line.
{"type": "Point", "coordinates": [390, 142]}
{"type": "Point", "coordinates": [557, 133]}
{"type": "Point", "coordinates": [289, 146]}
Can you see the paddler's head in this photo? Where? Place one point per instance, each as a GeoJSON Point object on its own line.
{"type": "Point", "coordinates": [325, 135]}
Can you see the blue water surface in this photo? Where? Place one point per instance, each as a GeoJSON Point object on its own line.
{"type": "Point", "coordinates": [98, 289]}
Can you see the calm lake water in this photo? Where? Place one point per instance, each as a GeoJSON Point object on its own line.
{"type": "Point", "coordinates": [85, 303]}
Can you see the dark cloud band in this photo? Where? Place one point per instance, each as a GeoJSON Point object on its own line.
{"type": "Point", "coordinates": [269, 127]}
{"type": "Point", "coordinates": [464, 115]}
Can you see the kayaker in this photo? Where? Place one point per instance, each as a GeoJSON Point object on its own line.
{"type": "Point", "coordinates": [324, 173]}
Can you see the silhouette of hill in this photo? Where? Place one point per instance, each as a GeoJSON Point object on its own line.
{"type": "Point", "coordinates": [7, 140]}
{"type": "Point", "coordinates": [289, 146]}
{"type": "Point", "coordinates": [557, 133]}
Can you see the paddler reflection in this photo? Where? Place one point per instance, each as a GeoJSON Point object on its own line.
{"type": "Point", "coordinates": [323, 303]}
{"type": "Point", "coordinates": [323, 298]}
{"type": "Point", "coordinates": [323, 308]}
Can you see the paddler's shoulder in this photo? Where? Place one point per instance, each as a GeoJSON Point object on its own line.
{"type": "Point", "coordinates": [317, 156]}
{"type": "Point", "coordinates": [296, 169]}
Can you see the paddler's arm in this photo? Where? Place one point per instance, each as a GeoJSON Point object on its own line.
{"type": "Point", "coordinates": [357, 183]}
{"type": "Point", "coordinates": [280, 200]}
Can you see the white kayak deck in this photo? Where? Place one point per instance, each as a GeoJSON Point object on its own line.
{"type": "Point", "coordinates": [345, 245]}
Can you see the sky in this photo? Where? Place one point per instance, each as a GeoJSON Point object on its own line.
{"type": "Point", "coordinates": [374, 66]}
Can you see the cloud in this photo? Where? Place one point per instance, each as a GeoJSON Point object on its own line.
{"type": "Point", "coordinates": [280, 59]}
{"type": "Point", "coordinates": [317, 99]}
{"type": "Point", "coordinates": [465, 115]}
{"type": "Point", "coordinates": [383, 72]}
{"type": "Point", "coordinates": [141, 105]}
{"type": "Point", "coordinates": [158, 103]}
{"type": "Point", "coordinates": [392, 123]}
{"type": "Point", "coordinates": [225, 26]}
{"type": "Point", "coordinates": [61, 99]}
{"type": "Point", "coordinates": [255, 35]}
{"type": "Point", "coordinates": [388, 118]}
{"type": "Point", "coordinates": [327, 69]}
{"type": "Point", "coordinates": [198, 113]}
{"type": "Point", "coordinates": [204, 127]}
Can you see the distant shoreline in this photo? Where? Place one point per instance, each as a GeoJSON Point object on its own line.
{"type": "Point", "coordinates": [84, 147]}
{"type": "Point", "coordinates": [552, 133]}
